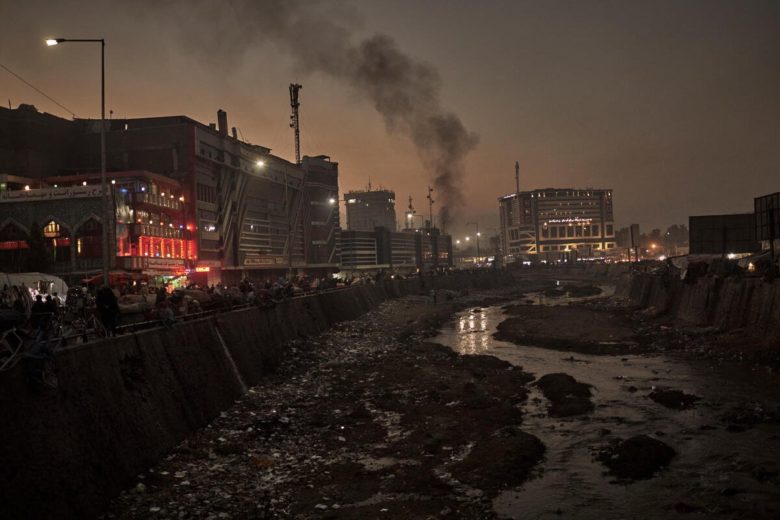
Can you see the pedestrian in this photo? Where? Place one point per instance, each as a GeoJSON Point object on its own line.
{"type": "Point", "coordinates": [167, 317]}
{"type": "Point", "coordinates": [108, 309]}
{"type": "Point", "coordinates": [38, 314]}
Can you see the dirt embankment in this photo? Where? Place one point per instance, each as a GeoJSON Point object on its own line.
{"type": "Point", "coordinates": [369, 421]}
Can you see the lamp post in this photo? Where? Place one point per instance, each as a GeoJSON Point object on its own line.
{"type": "Point", "coordinates": [479, 256]}
{"type": "Point", "coordinates": [107, 219]}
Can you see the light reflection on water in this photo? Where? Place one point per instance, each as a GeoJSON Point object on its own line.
{"type": "Point", "coordinates": [572, 485]}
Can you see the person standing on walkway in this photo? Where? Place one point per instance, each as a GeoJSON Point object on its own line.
{"type": "Point", "coordinates": [108, 309]}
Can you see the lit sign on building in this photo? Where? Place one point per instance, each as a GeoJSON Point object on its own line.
{"type": "Point", "coordinates": [568, 220]}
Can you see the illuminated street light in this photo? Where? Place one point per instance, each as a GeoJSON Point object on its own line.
{"type": "Point", "coordinates": [260, 163]}
{"type": "Point", "coordinates": [468, 238]}
{"type": "Point", "coordinates": [107, 217]}
{"type": "Point", "coordinates": [331, 201]}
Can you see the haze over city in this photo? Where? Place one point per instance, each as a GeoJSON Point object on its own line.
{"type": "Point", "coordinates": [672, 105]}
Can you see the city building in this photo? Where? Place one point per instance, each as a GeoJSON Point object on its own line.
{"type": "Point", "coordinates": [149, 234]}
{"type": "Point", "coordinates": [556, 223]}
{"type": "Point", "coordinates": [322, 231]}
{"type": "Point", "coordinates": [370, 209]}
{"type": "Point", "coordinates": [767, 217]}
{"type": "Point", "coordinates": [400, 251]}
{"type": "Point", "coordinates": [237, 210]}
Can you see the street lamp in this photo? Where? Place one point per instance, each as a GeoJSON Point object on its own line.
{"type": "Point", "coordinates": [107, 219]}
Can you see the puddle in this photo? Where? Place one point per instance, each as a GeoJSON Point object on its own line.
{"type": "Point", "coordinates": [714, 469]}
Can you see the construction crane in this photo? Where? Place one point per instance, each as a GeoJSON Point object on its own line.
{"type": "Point", "coordinates": [295, 122]}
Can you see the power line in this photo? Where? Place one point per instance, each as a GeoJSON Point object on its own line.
{"type": "Point", "coordinates": [39, 91]}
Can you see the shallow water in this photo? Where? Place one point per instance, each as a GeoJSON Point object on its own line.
{"type": "Point", "coordinates": [715, 470]}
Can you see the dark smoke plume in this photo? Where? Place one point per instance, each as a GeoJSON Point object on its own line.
{"type": "Point", "coordinates": [405, 91]}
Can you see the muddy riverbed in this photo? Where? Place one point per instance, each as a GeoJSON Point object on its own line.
{"type": "Point", "coordinates": [726, 444]}
{"type": "Point", "coordinates": [416, 410]}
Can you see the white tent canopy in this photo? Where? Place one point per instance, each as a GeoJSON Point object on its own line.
{"type": "Point", "coordinates": [37, 283]}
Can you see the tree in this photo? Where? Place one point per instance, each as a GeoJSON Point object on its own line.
{"type": "Point", "coordinates": [676, 235]}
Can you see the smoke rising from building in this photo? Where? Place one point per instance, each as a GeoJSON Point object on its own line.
{"type": "Point", "coordinates": [404, 90]}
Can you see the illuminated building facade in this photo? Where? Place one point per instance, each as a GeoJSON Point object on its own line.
{"type": "Point", "coordinates": [189, 197]}
{"type": "Point", "coordinates": [556, 223]}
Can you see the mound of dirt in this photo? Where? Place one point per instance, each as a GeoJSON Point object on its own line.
{"type": "Point", "coordinates": [567, 396]}
{"type": "Point", "coordinates": [579, 291]}
{"type": "Point", "coordinates": [674, 399]}
{"type": "Point", "coordinates": [570, 328]}
{"type": "Point", "coordinates": [636, 458]}
{"type": "Point", "coordinates": [501, 461]}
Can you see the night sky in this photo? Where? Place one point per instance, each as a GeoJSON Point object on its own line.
{"type": "Point", "coordinates": [674, 105]}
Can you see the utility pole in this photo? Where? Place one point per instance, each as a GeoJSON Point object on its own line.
{"type": "Point", "coordinates": [479, 254]}
{"type": "Point", "coordinates": [430, 205]}
{"type": "Point", "coordinates": [295, 122]}
{"type": "Point", "coordinates": [409, 214]}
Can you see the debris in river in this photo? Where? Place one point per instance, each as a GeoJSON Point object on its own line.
{"type": "Point", "coordinates": [674, 399]}
{"type": "Point", "coordinates": [567, 396]}
{"type": "Point", "coordinates": [636, 458]}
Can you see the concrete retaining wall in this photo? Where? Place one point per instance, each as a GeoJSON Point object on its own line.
{"type": "Point", "coordinates": [749, 304]}
{"type": "Point", "coordinates": [123, 403]}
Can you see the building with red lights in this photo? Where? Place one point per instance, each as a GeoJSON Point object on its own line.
{"type": "Point", "coordinates": [188, 198]}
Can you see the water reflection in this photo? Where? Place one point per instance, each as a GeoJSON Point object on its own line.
{"type": "Point", "coordinates": [472, 332]}
{"type": "Point", "coordinates": [709, 461]}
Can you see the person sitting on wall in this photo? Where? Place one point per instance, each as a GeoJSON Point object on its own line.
{"type": "Point", "coordinates": [167, 317]}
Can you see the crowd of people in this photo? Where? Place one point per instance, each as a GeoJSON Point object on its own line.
{"type": "Point", "coordinates": [105, 311]}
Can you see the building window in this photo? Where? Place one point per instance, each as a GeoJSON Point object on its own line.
{"type": "Point", "coordinates": [570, 231]}
{"type": "Point", "coordinates": [207, 193]}
{"type": "Point", "coordinates": [595, 230]}
{"type": "Point", "coordinates": [554, 232]}
{"type": "Point", "coordinates": [52, 230]}
{"type": "Point", "coordinates": [610, 230]}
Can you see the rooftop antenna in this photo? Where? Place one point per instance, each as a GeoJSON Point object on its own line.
{"type": "Point", "coordinates": [430, 205]}
{"type": "Point", "coordinates": [517, 178]}
{"type": "Point", "coordinates": [295, 120]}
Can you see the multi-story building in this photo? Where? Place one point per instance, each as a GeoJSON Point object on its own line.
{"type": "Point", "coordinates": [767, 218]}
{"type": "Point", "coordinates": [240, 211]}
{"type": "Point", "coordinates": [370, 209]}
{"type": "Point", "coordinates": [402, 251]}
{"type": "Point", "coordinates": [553, 223]}
{"type": "Point", "coordinates": [322, 229]}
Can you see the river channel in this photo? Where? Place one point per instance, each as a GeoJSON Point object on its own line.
{"type": "Point", "coordinates": [717, 472]}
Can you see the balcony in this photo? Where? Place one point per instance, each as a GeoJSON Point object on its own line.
{"type": "Point", "coordinates": [152, 230]}
{"type": "Point", "coordinates": [159, 200]}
